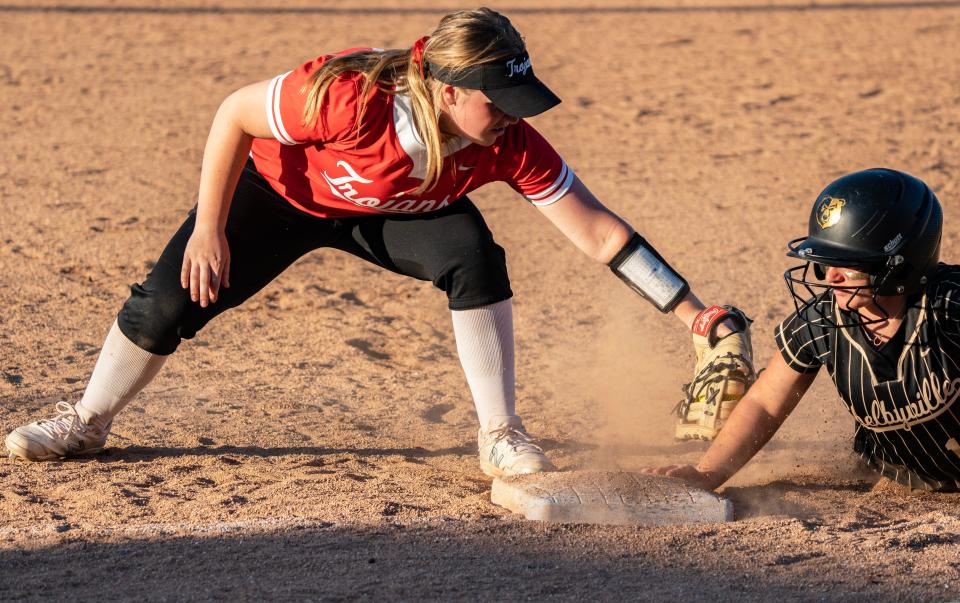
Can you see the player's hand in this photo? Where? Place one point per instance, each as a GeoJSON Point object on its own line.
{"type": "Point", "coordinates": [206, 265]}
{"type": "Point", "coordinates": [688, 473]}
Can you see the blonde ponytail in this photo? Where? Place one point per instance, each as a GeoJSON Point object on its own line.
{"type": "Point", "coordinates": [461, 40]}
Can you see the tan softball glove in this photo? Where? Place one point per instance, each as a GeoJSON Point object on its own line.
{"type": "Point", "coordinates": [722, 376]}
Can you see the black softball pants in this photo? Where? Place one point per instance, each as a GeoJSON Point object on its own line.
{"type": "Point", "coordinates": [452, 247]}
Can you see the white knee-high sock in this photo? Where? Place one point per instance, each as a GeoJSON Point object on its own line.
{"type": "Point", "coordinates": [122, 370]}
{"type": "Point", "coordinates": [485, 345]}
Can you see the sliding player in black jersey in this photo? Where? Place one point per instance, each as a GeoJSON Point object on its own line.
{"type": "Point", "coordinates": [877, 310]}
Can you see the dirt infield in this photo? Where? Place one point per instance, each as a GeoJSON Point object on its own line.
{"type": "Point", "coordinates": [319, 443]}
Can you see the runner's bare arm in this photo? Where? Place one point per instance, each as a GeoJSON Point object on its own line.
{"type": "Point", "coordinates": [601, 234]}
{"type": "Point", "coordinates": [206, 261]}
{"type": "Point", "coordinates": [751, 425]}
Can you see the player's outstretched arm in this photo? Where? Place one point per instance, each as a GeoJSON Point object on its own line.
{"type": "Point", "coordinates": [602, 235]}
{"type": "Point", "coordinates": [751, 425]}
{"type": "Point", "coordinates": [721, 335]}
{"type": "Point", "coordinates": [594, 229]}
{"type": "Point", "coordinates": [206, 261]}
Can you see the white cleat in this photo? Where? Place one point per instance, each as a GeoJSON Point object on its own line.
{"type": "Point", "coordinates": [62, 436]}
{"type": "Point", "coordinates": [506, 449]}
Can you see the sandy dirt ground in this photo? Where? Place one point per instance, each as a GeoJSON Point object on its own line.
{"type": "Point", "coordinates": [319, 441]}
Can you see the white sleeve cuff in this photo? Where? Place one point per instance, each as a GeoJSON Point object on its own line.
{"type": "Point", "coordinates": [558, 189]}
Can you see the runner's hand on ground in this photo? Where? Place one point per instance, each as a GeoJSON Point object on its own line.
{"type": "Point", "coordinates": [687, 473]}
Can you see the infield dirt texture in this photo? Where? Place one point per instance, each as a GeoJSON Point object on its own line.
{"type": "Point", "coordinates": [319, 441]}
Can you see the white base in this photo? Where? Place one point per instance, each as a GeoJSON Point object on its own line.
{"type": "Point", "coordinates": [609, 498]}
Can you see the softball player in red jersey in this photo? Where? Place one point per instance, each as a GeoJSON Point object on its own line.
{"type": "Point", "coordinates": [372, 152]}
{"type": "Point", "coordinates": [883, 317]}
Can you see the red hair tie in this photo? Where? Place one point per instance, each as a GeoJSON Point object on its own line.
{"type": "Point", "coordinates": [416, 54]}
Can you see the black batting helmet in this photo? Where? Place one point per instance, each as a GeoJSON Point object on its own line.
{"type": "Point", "coordinates": [883, 222]}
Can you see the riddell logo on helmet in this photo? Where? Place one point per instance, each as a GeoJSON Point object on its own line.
{"type": "Point", "coordinates": [829, 212]}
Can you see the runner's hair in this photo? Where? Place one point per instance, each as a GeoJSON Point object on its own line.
{"type": "Point", "coordinates": [462, 39]}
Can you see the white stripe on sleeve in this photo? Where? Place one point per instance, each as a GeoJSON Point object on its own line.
{"type": "Point", "coordinates": [556, 190]}
{"type": "Point", "coordinates": [273, 111]}
{"type": "Point", "coordinates": [786, 347]}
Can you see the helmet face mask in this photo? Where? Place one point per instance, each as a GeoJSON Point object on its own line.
{"type": "Point", "coordinates": [807, 294]}
{"type": "Point", "coordinates": [881, 223]}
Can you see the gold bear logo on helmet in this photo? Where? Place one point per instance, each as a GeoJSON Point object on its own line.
{"type": "Point", "coordinates": [829, 212]}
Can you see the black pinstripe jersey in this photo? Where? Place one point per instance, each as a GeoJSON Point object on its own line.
{"type": "Point", "coordinates": [902, 395]}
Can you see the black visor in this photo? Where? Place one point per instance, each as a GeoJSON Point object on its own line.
{"type": "Point", "coordinates": [509, 84]}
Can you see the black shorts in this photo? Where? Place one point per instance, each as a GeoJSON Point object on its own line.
{"type": "Point", "coordinates": [453, 248]}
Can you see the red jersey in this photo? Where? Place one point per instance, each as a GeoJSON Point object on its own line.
{"type": "Point", "coordinates": [334, 171]}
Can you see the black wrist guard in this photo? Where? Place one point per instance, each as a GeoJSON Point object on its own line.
{"type": "Point", "coordinates": [646, 272]}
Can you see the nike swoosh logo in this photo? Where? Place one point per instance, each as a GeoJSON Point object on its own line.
{"type": "Point", "coordinates": [464, 168]}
